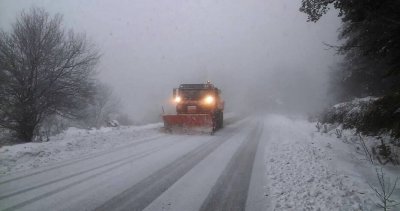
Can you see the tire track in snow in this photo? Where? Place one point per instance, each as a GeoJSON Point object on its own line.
{"type": "Point", "coordinates": [230, 191]}
{"type": "Point", "coordinates": [125, 161]}
{"type": "Point", "coordinates": [143, 193]}
{"type": "Point", "coordinates": [25, 203]}
{"type": "Point", "coordinates": [91, 156]}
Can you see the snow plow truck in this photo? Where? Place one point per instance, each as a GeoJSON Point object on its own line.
{"type": "Point", "coordinates": [199, 108]}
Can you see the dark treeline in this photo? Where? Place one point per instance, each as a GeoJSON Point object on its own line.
{"type": "Point", "coordinates": [370, 34]}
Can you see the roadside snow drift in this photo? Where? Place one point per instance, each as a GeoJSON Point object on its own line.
{"type": "Point", "coordinates": [308, 171]}
{"type": "Point", "coordinates": [70, 144]}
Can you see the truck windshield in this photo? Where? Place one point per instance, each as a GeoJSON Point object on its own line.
{"type": "Point", "coordinates": [194, 94]}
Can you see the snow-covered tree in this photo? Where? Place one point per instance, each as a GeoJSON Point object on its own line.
{"type": "Point", "coordinates": [45, 70]}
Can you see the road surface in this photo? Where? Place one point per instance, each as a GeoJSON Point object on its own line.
{"type": "Point", "coordinates": [159, 172]}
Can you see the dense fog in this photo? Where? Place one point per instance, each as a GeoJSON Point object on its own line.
{"type": "Point", "coordinates": [262, 54]}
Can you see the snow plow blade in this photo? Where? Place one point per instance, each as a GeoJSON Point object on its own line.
{"type": "Point", "coordinates": [201, 123]}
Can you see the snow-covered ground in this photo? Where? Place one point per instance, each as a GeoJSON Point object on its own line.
{"type": "Point", "coordinates": [72, 143]}
{"type": "Point", "coordinates": [308, 170]}
{"type": "Point", "coordinates": [294, 168]}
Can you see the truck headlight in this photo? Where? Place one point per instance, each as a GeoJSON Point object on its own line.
{"type": "Point", "coordinates": [209, 99]}
{"type": "Point", "coordinates": [178, 99]}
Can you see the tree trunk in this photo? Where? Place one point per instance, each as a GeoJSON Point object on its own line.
{"type": "Point", "coordinates": [26, 128]}
{"type": "Point", "coordinates": [25, 133]}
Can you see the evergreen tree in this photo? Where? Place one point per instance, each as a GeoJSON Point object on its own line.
{"type": "Point", "coordinates": [371, 34]}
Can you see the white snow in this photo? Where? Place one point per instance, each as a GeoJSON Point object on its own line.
{"type": "Point", "coordinates": [70, 144]}
{"type": "Point", "coordinates": [191, 190]}
{"type": "Point", "coordinates": [356, 102]}
{"type": "Point", "coordinates": [307, 170]}
{"type": "Point", "coordinates": [296, 168]}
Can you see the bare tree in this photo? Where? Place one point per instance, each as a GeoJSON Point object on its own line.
{"type": "Point", "coordinates": [45, 70]}
{"type": "Point", "coordinates": [385, 191]}
{"type": "Point", "coordinates": [104, 104]}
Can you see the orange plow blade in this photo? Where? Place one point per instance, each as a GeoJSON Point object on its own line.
{"type": "Point", "coordinates": [189, 123]}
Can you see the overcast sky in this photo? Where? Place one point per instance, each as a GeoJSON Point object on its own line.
{"type": "Point", "coordinates": [261, 53]}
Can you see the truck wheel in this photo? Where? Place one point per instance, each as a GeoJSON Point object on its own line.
{"type": "Point", "coordinates": [219, 119]}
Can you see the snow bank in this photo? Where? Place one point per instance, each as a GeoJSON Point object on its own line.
{"type": "Point", "coordinates": [70, 144]}
{"type": "Point", "coordinates": [307, 170]}
{"type": "Point", "coordinates": [350, 114]}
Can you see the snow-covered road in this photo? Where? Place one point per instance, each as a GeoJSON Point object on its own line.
{"type": "Point", "coordinates": [158, 172]}
{"type": "Point", "coordinates": [270, 162]}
